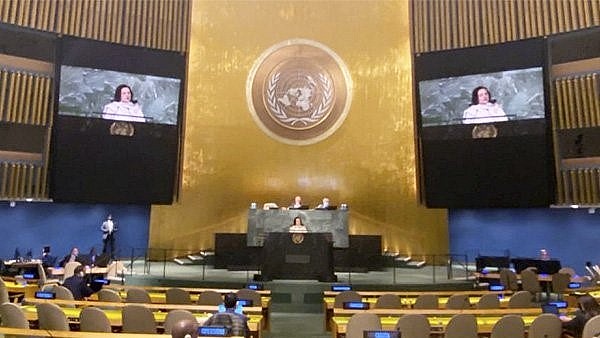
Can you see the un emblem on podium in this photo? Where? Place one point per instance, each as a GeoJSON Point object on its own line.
{"type": "Point", "coordinates": [297, 238]}
{"type": "Point", "coordinates": [299, 92]}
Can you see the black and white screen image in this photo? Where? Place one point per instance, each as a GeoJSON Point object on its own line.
{"type": "Point", "coordinates": [513, 95]}
{"type": "Point", "coordinates": [90, 92]}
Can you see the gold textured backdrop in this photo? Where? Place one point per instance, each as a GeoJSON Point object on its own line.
{"type": "Point", "coordinates": [368, 163]}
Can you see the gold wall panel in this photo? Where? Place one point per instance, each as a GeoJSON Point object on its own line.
{"type": "Point", "coordinates": [452, 24]}
{"type": "Point", "coordinates": [368, 163]}
{"type": "Point", "coordinates": [104, 19]}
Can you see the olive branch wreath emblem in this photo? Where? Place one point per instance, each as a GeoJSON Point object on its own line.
{"type": "Point", "coordinates": [279, 113]}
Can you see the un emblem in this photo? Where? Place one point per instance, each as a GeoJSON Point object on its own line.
{"type": "Point", "coordinates": [299, 92]}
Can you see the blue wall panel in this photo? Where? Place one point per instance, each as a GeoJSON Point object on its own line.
{"type": "Point", "coordinates": [62, 226]}
{"type": "Point", "coordinates": [570, 235]}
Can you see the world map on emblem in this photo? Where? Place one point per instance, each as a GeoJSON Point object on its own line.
{"type": "Point", "coordinates": [299, 92]}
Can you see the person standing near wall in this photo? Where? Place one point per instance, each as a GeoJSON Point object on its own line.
{"type": "Point", "coordinates": [108, 228]}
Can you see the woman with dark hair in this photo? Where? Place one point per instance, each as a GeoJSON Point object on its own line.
{"type": "Point", "coordinates": [588, 308]}
{"type": "Point", "coordinates": [483, 108]}
{"type": "Point", "coordinates": [297, 226]}
{"type": "Point", "coordinates": [123, 107]}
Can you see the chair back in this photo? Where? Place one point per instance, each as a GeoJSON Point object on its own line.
{"type": "Point", "coordinates": [560, 282]}
{"type": "Point", "coordinates": [137, 295]}
{"type": "Point", "coordinates": [62, 292]}
{"type": "Point", "coordinates": [346, 296]}
{"type": "Point", "coordinates": [360, 322]}
{"type": "Point", "coordinates": [520, 299]}
{"type": "Point", "coordinates": [92, 319]}
{"type": "Point", "coordinates": [70, 269]}
{"type": "Point", "coordinates": [178, 296]}
{"type": "Point", "coordinates": [108, 295]}
{"type": "Point", "coordinates": [210, 297]}
{"type": "Point", "coordinates": [250, 294]}
{"type": "Point", "coordinates": [545, 325]}
{"type": "Point", "coordinates": [530, 282]}
{"type": "Point", "coordinates": [591, 329]}
{"type": "Point", "coordinates": [461, 326]}
{"type": "Point", "coordinates": [13, 316]}
{"type": "Point", "coordinates": [4, 298]}
{"type": "Point", "coordinates": [175, 316]}
{"type": "Point", "coordinates": [388, 301]}
{"type": "Point", "coordinates": [489, 301]}
{"type": "Point", "coordinates": [51, 317]}
{"type": "Point", "coordinates": [427, 301]}
{"type": "Point", "coordinates": [509, 326]}
{"type": "Point", "coordinates": [458, 301]}
{"type": "Point", "coordinates": [414, 325]}
{"type": "Point", "coordinates": [568, 270]}
{"type": "Point", "coordinates": [138, 319]}
{"type": "Point", "coordinates": [508, 279]}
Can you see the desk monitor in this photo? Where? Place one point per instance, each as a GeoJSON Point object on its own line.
{"type": "Point", "coordinates": [550, 308]}
{"type": "Point", "coordinates": [302, 207]}
{"type": "Point", "coordinates": [574, 285]}
{"type": "Point", "coordinates": [245, 302]}
{"type": "Point", "coordinates": [341, 287]}
{"type": "Point", "coordinates": [331, 207]}
{"type": "Point", "coordinates": [214, 331]}
{"type": "Point", "coordinates": [559, 304]}
{"type": "Point", "coordinates": [356, 305]}
{"type": "Point", "coordinates": [30, 273]}
{"type": "Point", "coordinates": [494, 287]}
{"type": "Point", "coordinates": [255, 286]}
{"type": "Point", "coordinates": [45, 295]}
{"type": "Point", "coordinates": [381, 334]}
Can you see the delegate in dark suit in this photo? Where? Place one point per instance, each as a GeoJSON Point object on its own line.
{"type": "Point", "coordinates": [77, 284]}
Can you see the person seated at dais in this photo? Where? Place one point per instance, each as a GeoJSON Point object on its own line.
{"type": "Point", "coordinates": [298, 204]}
{"type": "Point", "coordinates": [297, 226]}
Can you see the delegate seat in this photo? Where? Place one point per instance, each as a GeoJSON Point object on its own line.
{"type": "Point", "coordinates": [546, 325]}
{"type": "Point", "coordinates": [209, 297]}
{"type": "Point", "coordinates": [138, 319]}
{"type": "Point", "coordinates": [489, 301]}
{"type": "Point", "coordinates": [461, 326]}
{"type": "Point", "coordinates": [427, 301]}
{"type": "Point", "coordinates": [178, 296]}
{"type": "Point", "coordinates": [360, 322]}
{"type": "Point", "coordinates": [509, 326]}
{"type": "Point", "coordinates": [388, 301]}
{"type": "Point", "coordinates": [51, 317]}
{"type": "Point", "coordinates": [346, 296]}
{"type": "Point", "coordinates": [137, 295]}
{"type": "Point", "coordinates": [458, 301]}
{"type": "Point", "coordinates": [413, 326]}
{"type": "Point", "coordinates": [13, 316]}
{"type": "Point", "coordinates": [92, 319]}
{"type": "Point", "coordinates": [520, 299]}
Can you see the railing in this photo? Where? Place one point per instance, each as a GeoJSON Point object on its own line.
{"type": "Point", "coordinates": [424, 268]}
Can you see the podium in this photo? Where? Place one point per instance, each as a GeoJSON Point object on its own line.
{"type": "Point", "coordinates": [298, 256]}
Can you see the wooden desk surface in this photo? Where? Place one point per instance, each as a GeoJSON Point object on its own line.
{"type": "Point", "coordinates": [438, 324]}
{"type": "Point", "coordinates": [76, 334]}
{"type": "Point", "coordinates": [415, 294]}
{"type": "Point", "coordinates": [27, 289]}
{"type": "Point", "coordinates": [409, 302]}
{"type": "Point", "coordinates": [541, 277]}
{"type": "Point", "coordinates": [163, 307]}
{"type": "Point", "coordinates": [160, 297]}
{"type": "Point", "coordinates": [117, 287]}
{"type": "Point", "coordinates": [89, 270]}
{"type": "Point", "coordinates": [115, 318]}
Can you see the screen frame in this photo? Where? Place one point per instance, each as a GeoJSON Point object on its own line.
{"type": "Point", "coordinates": [509, 190]}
